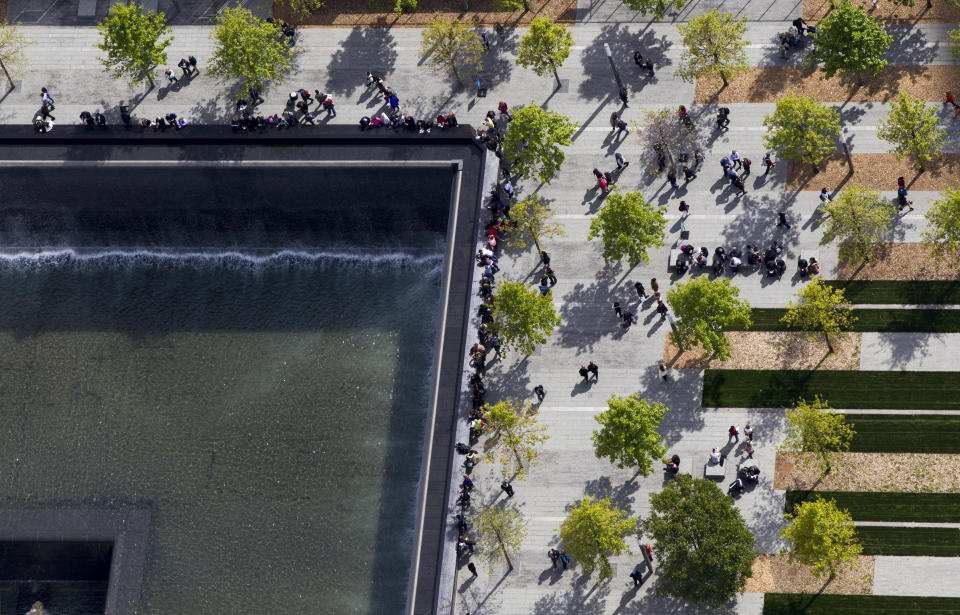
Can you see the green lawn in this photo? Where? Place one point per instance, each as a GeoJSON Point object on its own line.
{"type": "Point", "coordinates": [891, 321]}
{"type": "Point", "coordinates": [905, 433]}
{"type": "Point", "coordinates": [835, 604]}
{"type": "Point", "coordinates": [894, 291]}
{"type": "Point", "coordinates": [842, 389]}
{"type": "Point", "coordinates": [933, 541]}
{"type": "Point", "coordinates": [919, 507]}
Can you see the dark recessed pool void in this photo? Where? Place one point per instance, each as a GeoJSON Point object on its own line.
{"type": "Point", "coordinates": [67, 576]}
{"type": "Point", "coordinates": [245, 352]}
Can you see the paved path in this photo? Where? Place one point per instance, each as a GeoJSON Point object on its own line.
{"type": "Point", "coordinates": [931, 352]}
{"type": "Point", "coordinates": [335, 59]}
{"type": "Point", "coordinates": [916, 576]}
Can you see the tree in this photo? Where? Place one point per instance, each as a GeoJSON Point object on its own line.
{"type": "Point", "coordinates": [628, 226]}
{"type": "Point", "coordinates": [302, 9]}
{"type": "Point", "coordinates": [860, 218]}
{"type": "Point", "coordinates": [658, 7]}
{"type": "Point", "coordinates": [821, 309]}
{"type": "Point", "coordinates": [816, 428]}
{"type": "Point", "coordinates": [912, 126]}
{"type": "Point", "coordinates": [706, 308]}
{"type": "Point", "coordinates": [697, 528]}
{"type": "Point", "coordinates": [628, 433]}
{"type": "Point", "coordinates": [249, 49]}
{"type": "Point", "coordinates": [545, 47]}
{"type": "Point", "coordinates": [511, 5]}
{"type": "Point", "coordinates": [534, 139]}
{"type": "Point", "coordinates": [667, 136]}
{"type": "Point", "coordinates": [593, 532]}
{"type": "Point", "coordinates": [522, 317]}
{"type": "Point", "coordinates": [500, 532]}
{"type": "Point", "coordinates": [821, 535]}
{"type": "Point", "coordinates": [516, 436]}
{"type": "Point", "coordinates": [943, 224]}
{"type": "Point", "coordinates": [528, 220]}
{"type": "Point", "coordinates": [12, 44]}
{"type": "Point", "coordinates": [713, 45]}
{"type": "Point", "coordinates": [955, 44]}
{"type": "Point", "coordinates": [448, 44]}
{"type": "Point", "coordinates": [848, 40]}
{"type": "Point", "coordinates": [135, 42]}
{"type": "Point", "coordinates": [802, 129]}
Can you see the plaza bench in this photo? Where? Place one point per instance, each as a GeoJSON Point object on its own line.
{"type": "Point", "coordinates": [714, 471]}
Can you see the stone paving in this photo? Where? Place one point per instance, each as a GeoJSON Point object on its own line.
{"type": "Point", "coordinates": [916, 576]}
{"type": "Point", "coordinates": [334, 60]}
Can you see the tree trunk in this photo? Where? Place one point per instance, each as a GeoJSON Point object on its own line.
{"type": "Point", "coordinates": [860, 77]}
{"type": "Point", "coordinates": [456, 75]}
{"type": "Point", "coordinates": [519, 459]}
{"type": "Point", "coordinates": [816, 169]}
{"type": "Point", "coordinates": [829, 345]}
{"type": "Point", "coordinates": [9, 78]}
{"type": "Point", "coordinates": [503, 547]}
{"type": "Point", "coordinates": [535, 242]}
{"type": "Point", "coordinates": [465, 6]}
{"type": "Point", "coordinates": [929, 4]}
{"type": "Point", "coordinates": [555, 75]}
{"type": "Point", "coordinates": [724, 77]}
{"type": "Point", "coordinates": [526, 7]}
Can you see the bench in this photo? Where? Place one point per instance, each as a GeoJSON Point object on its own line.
{"type": "Point", "coordinates": [87, 8]}
{"type": "Point", "coordinates": [714, 471]}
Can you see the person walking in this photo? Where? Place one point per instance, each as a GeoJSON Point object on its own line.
{"type": "Point", "coordinates": [255, 98]}
{"type": "Point", "coordinates": [622, 127]}
{"type": "Point", "coordinates": [655, 287]}
{"type": "Point", "coordinates": [637, 575]}
{"type": "Point", "coordinates": [46, 99]}
{"type": "Point", "coordinates": [825, 196]}
{"type": "Point", "coordinates": [745, 163]}
{"type": "Point", "coordinates": [662, 309]}
{"type": "Point", "coordinates": [564, 558]}
{"type": "Point", "coordinates": [902, 200]}
{"type": "Point", "coordinates": [548, 271]}
{"type": "Point", "coordinates": [621, 163]}
{"type": "Point", "coordinates": [192, 60]}
{"type": "Point", "coordinates": [624, 96]}
{"type": "Point", "coordinates": [641, 291]}
{"type": "Point", "coordinates": [472, 568]}
{"type": "Point", "coordinates": [545, 258]}
{"type": "Point", "coordinates": [618, 310]}
{"type": "Point", "coordinates": [584, 373]}
{"type": "Point", "coordinates": [688, 174]}
{"type": "Point", "coordinates": [768, 162]}
{"type": "Point", "coordinates": [749, 449]}
{"type": "Point", "coordinates": [485, 40]}
{"type": "Point", "coordinates": [171, 78]}
{"type": "Point", "coordinates": [184, 66]}
{"type": "Point", "coordinates": [329, 108]}
{"type": "Point", "coordinates": [662, 368]}
{"type": "Point", "coordinates": [684, 212]}
{"type": "Point", "coordinates": [594, 370]}
{"type": "Point", "coordinates": [735, 159]}
{"type": "Point", "coordinates": [539, 392]}
{"type": "Point", "coordinates": [672, 178]}
{"type": "Point", "coordinates": [554, 556]}
{"type": "Point", "coordinates": [504, 110]}
{"type": "Point", "coordinates": [739, 185]}
{"type": "Point", "coordinates": [748, 432]}
{"type": "Point", "coordinates": [507, 488]}
{"type": "Point", "coordinates": [734, 433]}
{"type": "Point", "coordinates": [782, 219]}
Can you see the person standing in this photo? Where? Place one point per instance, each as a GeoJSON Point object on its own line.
{"type": "Point", "coordinates": [184, 66]}
{"type": "Point", "coordinates": [548, 271]}
{"type": "Point", "coordinates": [621, 163]}
{"type": "Point", "coordinates": [662, 368]}
{"type": "Point", "coordinates": [655, 287]}
{"type": "Point", "coordinates": [672, 178]}
{"type": "Point", "coordinates": [564, 558]}
{"type": "Point", "coordinates": [641, 291]}
{"type": "Point", "coordinates": [624, 96]}
{"type": "Point", "coordinates": [825, 196]}
{"type": "Point", "coordinates": [768, 162]}
{"type": "Point", "coordinates": [584, 373]}
{"type": "Point", "coordinates": [504, 110]}
{"type": "Point", "coordinates": [193, 64]}
{"type": "Point", "coordinates": [618, 310]}
{"type": "Point", "coordinates": [745, 162]}
{"type": "Point", "coordinates": [485, 40]}
{"type": "Point", "coordinates": [734, 433]}
{"type": "Point", "coordinates": [554, 556]}
{"type": "Point", "coordinates": [539, 392]}
{"type": "Point", "coordinates": [688, 174]}
{"type": "Point", "coordinates": [545, 258]}
{"type": "Point", "coordinates": [507, 488]}
{"type": "Point", "coordinates": [594, 370]}
{"type": "Point", "coordinates": [472, 568]}
{"type": "Point", "coordinates": [782, 219]}
{"type": "Point", "coordinates": [46, 99]}
{"type": "Point", "coordinates": [171, 78]}
{"type": "Point", "coordinates": [749, 450]}
{"type": "Point", "coordinates": [735, 159]}
{"type": "Point", "coordinates": [748, 432]}
{"type": "Point", "coordinates": [637, 575]}
{"type": "Point", "coordinates": [662, 309]}
{"type": "Point", "coordinates": [684, 212]}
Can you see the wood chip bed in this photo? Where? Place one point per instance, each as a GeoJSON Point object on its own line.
{"type": "Point", "coordinates": [771, 350]}
{"type": "Point", "coordinates": [874, 171]}
{"type": "Point", "coordinates": [777, 574]}
{"type": "Point", "coordinates": [902, 261]}
{"type": "Point", "coordinates": [913, 472]}
{"type": "Point", "coordinates": [359, 13]}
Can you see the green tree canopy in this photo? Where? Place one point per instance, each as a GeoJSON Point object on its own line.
{"type": "Point", "coordinates": [859, 218]}
{"type": "Point", "coordinates": [511, 5]}
{"type": "Point", "coordinates": [628, 433]}
{"type": "Point", "coordinates": [628, 227]}
{"type": "Point", "coordinates": [943, 224]}
{"type": "Point", "coordinates": [713, 45]}
{"type": "Point", "coordinates": [449, 44]}
{"type": "Point", "coordinates": [534, 139]}
{"type": "Point", "coordinates": [545, 47]}
{"type": "Point", "coordinates": [528, 222]}
{"type": "Point", "coordinates": [516, 436]}
{"type": "Point", "coordinates": [821, 309]}
{"type": "Point", "coordinates": [704, 547]}
{"type": "Point", "coordinates": [657, 7]}
{"type": "Point", "coordinates": [248, 49]}
{"type": "Point", "coordinates": [301, 9]}
{"type": "Point", "coordinates": [801, 129]}
{"type": "Point", "coordinates": [500, 532]}
{"type": "Point", "coordinates": [12, 45]}
{"type": "Point", "coordinates": [912, 126]}
{"type": "Point", "coordinates": [135, 42]}
{"type": "Point", "coordinates": [663, 133]}
{"type": "Point", "coordinates": [821, 535]}
{"type": "Point", "coordinates": [593, 532]}
{"type": "Point", "coordinates": [706, 308]}
{"type": "Point", "coordinates": [848, 40]}
{"type": "Point", "coordinates": [816, 428]}
{"type": "Point", "coordinates": [522, 317]}
{"type": "Point", "coordinates": [955, 44]}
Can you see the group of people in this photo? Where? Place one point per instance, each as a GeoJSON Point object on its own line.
{"type": "Point", "coordinates": [794, 36]}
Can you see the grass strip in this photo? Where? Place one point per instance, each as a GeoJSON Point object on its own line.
{"type": "Point", "coordinates": [887, 506]}
{"type": "Point", "coordinates": [905, 433]}
{"type": "Point", "coordinates": [913, 292]}
{"type": "Point", "coordinates": [837, 604]}
{"type": "Point", "coordinates": [887, 320]}
{"type": "Point", "coordinates": [930, 541]}
{"type": "Point", "coordinates": [842, 389]}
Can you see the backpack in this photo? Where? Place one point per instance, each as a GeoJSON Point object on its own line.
{"type": "Point", "coordinates": [746, 161]}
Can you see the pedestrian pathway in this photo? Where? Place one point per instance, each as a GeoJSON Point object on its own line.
{"type": "Point", "coordinates": [916, 576]}
{"type": "Point", "coordinates": [929, 352]}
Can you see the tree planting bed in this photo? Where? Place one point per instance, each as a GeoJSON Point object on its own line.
{"type": "Point", "coordinates": [905, 433]}
{"type": "Point", "coordinates": [887, 506]}
{"type": "Point", "coordinates": [832, 604]}
{"type": "Point", "coordinates": [885, 320]}
{"type": "Point", "coordinates": [930, 541]}
{"type": "Point", "coordinates": [900, 291]}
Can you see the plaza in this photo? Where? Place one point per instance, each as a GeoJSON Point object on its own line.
{"type": "Point", "coordinates": [334, 60]}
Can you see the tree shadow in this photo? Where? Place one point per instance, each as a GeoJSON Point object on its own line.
{"type": "Point", "coordinates": [910, 46]}
{"type": "Point", "coordinates": [364, 49]}
{"type": "Point", "coordinates": [583, 309]}
{"type": "Point", "coordinates": [622, 496]}
{"type": "Point", "coordinates": [600, 81]}
{"type": "Point", "coordinates": [575, 601]}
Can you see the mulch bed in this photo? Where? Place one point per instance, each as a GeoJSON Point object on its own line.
{"type": "Point", "coordinates": [359, 13]}
{"type": "Point", "coordinates": [770, 83]}
{"type": "Point", "coordinates": [913, 472]}
{"type": "Point", "coordinates": [776, 573]}
{"type": "Point", "coordinates": [874, 171]}
{"type": "Point", "coordinates": [886, 11]}
{"type": "Point", "coordinates": [901, 261]}
{"type": "Point", "coordinates": [770, 350]}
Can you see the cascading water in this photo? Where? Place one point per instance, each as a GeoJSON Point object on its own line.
{"type": "Point", "coordinates": [259, 384]}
